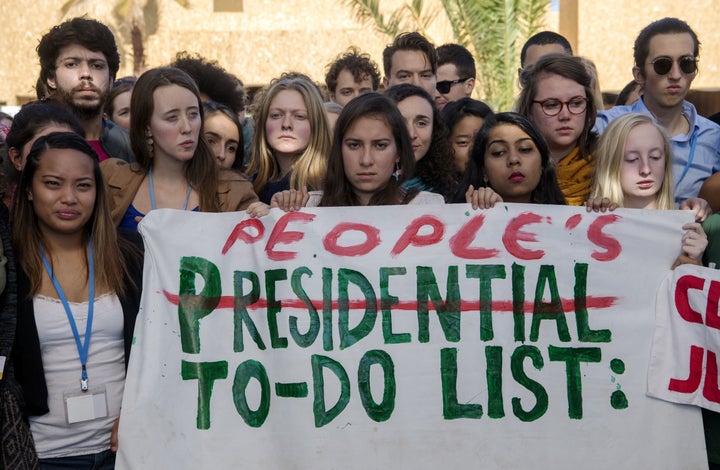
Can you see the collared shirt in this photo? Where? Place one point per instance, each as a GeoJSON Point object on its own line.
{"type": "Point", "coordinates": [705, 158]}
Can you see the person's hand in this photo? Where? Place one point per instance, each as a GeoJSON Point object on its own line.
{"type": "Point", "coordinates": [682, 259]}
{"type": "Point", "coordinates": [290, 200]}
{"type": "Point", "coordinates": [699, 206]}
{"type": "Point", "coordinates": [482, 198]}
{"type": "Point", "coordinates": [600, 204]}
{"type": "Point", "coordinates": [114, 436]}
{"type": "Point", "coordinates": [694, 241]}
{"type": "Point", "coordinates": [258, 209]}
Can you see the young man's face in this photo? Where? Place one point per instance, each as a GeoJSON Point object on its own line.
{"type": "Point", "coordinates": [347, 88]}
{"type": "Point", "coordinates": [82, 80]}
{"type": "Point", "coordinates": [411, 66]}
{"type": "Point", "coordinates": [449, 73]}
{"type": "Point", "coordinates": [535, 52]}
{"type": "Point", "coordinates": [668, 90]}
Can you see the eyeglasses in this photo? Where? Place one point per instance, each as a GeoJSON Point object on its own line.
{"type": "Point", "coordinates": [553, 106]}
{"type": "Point", "coordinates": [662, 65]}
{"type": "Point", "coordinates": [444, 86]}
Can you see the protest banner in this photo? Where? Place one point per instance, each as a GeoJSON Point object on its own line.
{"type": "Point", "coordinates": [684, 363]}
{"type": "Point", "coordinates": [404, 337]}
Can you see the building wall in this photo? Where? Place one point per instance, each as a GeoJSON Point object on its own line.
{"type": "Point", "coordinates": [272, 36]}
{"type": "Point", "coordinates": [607, 30]}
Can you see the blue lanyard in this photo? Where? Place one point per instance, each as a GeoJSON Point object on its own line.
{"type": "Point", "coordinates": [693, 142]}
{"type": "Point", "coordinates": [153, 206]}
{"type": "Point", "coordinates": [82, 348]}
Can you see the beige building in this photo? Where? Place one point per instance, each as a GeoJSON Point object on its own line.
{"type": "Point", "coordinates": [259, 39]}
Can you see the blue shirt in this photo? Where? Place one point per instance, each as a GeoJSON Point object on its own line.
{"type": "Point", "coordinates": [700, 163]}
{"type": "Point", "coordinates": [128, 221]}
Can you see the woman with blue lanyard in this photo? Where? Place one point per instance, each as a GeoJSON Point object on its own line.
{"type": "Point", "coordinates": [79, 286]}
{"type": "Point", "coordinates": [175, 165]}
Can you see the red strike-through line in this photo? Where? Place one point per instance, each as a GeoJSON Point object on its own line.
{"type": "Point", "coordinates": [411, 305]}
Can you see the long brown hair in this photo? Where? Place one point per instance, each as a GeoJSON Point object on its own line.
{"type": "Point", "coordinates": [201, 170]}
{"type": "Point", "coordinates": [111, 270]}
{"type": "Point", "coordinates": [337, 190]}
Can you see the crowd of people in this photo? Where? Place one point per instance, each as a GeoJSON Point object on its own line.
{"type": "Point", "coordinates": [95, 153]}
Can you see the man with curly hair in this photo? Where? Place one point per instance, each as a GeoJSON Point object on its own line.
{"type": "Point", "coordinates": [78, 63]}
{"type": "Point", "coordinates": [351, 75]}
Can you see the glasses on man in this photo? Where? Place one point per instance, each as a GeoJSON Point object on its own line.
{"type": "Point", "coordinates": [444, 86]}
{"type": "Point", "coordinates": [553, 106]}
{"type": "Point", "coordinates": [663, 65]}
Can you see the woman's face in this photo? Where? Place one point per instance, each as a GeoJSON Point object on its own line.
{"type": "Point", "coordinates": [461, 138]}
{"type": "Point", "coordinates": [224, 138]}
{"type": "Point", "coordinates": [563, 130]}
{"type": "Point", "coordinates": [643, 167]}
{"type": "Point", "coordinates": [175, 123]}
{"type": "Point", "coordinates": [418, 114]}
{"type": "Point", "coordinates": [121, 110]}
{"type": "Point", "coordinates": [513, 165]}
{"type": "Point", "coordinates": [287, 127]}
{"type": "Point", "coordinates": [63, 191]}
{"type": "Point", "coordinates": [369, 156]}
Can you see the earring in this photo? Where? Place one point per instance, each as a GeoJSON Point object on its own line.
{"type": "Point", "coordinates": [151, 146]}
{"type": "Point", "coordinates": [398, 171]}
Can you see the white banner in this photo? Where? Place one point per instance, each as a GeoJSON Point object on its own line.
{"type": "Point", "coordinates": [684, 363]}
{"type": "Point", "coordinates": [404, 337]}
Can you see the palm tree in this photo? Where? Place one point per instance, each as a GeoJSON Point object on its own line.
{"type": "Point", "coordinates": [136, 21]}
{"type": "Point", "coordinates": [493, 30]}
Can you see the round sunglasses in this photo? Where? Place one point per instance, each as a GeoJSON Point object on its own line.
{"type": "Point", "coordinates": [663, 65]}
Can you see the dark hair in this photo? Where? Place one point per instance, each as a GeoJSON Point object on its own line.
{"type": "Point", "coordinates": [547, 190]}
{"type": "Point", "coordinates": [121, 85]}
{"type": "Point", "coordinates": [460, 57]}
{"type": "Point", "coordinates": [410, 42]}
{"type": "Point", "coordinates": [90, 34]}
{"type": "Point", "coordinates": [36, 115]}
{"type": "Point", "coordinates": [213, 107]}
{"type": "Point", "coordinates": [455, 111]}
{"type": "Point", "coordinates": [569, 67]}
{"type": "Point", "coordinates": [202, 168]}
{"type": "Point", "coordinates": [31, 118]}
{"type": "Point", "coordinates": [437, 167]}
{"type": "Point", "coordinates": [624, 94]}
{"type": "Point", "coordinates": [337, 190]}
{"type": "Point", "coordinates": [662, 26]}
{"type": "Point", "coordinates": [358, 64]}
{"type": "Point", "coordinates": [543, 38]}
{"type": "Point", "coordinates": [212, 80]}
{"type": "Point", "coordinates": [27, 236]}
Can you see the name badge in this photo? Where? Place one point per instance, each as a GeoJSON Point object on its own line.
{"type": "Point", "coordinates": [85, 406]}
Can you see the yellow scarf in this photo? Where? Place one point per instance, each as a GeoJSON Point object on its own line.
{"type": "Point", "coordinates": [574, 174]}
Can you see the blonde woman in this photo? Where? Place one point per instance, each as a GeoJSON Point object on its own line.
{"type": "Point", "coordinates": [292, 138]}
{"type": "Point", "coordinates": [633, 169]}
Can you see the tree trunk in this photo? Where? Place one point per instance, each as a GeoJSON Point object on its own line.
{"type": "Point", "coordinates": [138, 49]}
